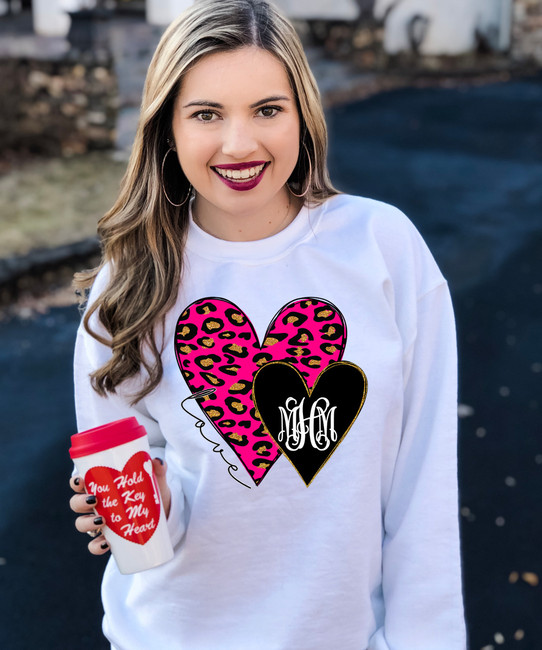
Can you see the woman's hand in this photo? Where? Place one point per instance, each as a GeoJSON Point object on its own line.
{"type": "Point", "coordinates": [89, 522]}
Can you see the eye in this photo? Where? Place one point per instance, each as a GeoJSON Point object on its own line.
{"type": "Point", "coordinates": [204, 116]}
{"type": "Point", "coordinates": [270, 111]}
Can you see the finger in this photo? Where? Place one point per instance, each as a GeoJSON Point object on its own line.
{"type": "Point", "coordinates": [160, 467]}
{"type": "Point", "coordinates": [98, 546]}
{"type": "Point", "coordinates": [77, 484]}
{"type": "Point", "coordinates": [89, 523]}
{"type": "Point", "coordinates": [83, 503]}
{"type": "Point", "coordinates": [160, 470]}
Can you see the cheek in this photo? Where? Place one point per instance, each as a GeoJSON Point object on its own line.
{"type": "Point", "coordinates": [194, 151]}
{"type": "Point", "coordinates": [286, 145]}
{"type": "Point", "coordinates": [289, 137]}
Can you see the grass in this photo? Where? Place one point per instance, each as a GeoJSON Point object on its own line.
{"type": "Point", "coordinates": [49, 202]}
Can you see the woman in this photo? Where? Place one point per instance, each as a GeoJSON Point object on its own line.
{"type": "Point", "coordinates": [291, 353]}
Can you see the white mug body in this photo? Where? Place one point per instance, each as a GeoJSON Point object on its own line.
{"type": "Point", "coordinates": [129, 500]}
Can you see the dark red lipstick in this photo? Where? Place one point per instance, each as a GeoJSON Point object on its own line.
{"type": "Point", "coordinates": [241, 184]}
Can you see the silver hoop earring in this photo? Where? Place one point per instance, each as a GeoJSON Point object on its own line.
{"type": "Point", "coordinates": [299, 196]}
{"type": "Point", "coordinates": [175, 205]}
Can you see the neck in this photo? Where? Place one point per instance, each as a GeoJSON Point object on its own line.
{"type": "Point", "coordinates": [246, 225]}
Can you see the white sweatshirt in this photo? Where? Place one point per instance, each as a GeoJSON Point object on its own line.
{"type": "Point", "coordinates": [339, 527]}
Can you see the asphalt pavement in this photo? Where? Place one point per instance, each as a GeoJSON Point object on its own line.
{"type": "Point", "coordinates": [466, 165]}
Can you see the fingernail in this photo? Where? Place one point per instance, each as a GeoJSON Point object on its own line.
{"type": "Point", "coordinates": [98, 533]}
{"type": "Point", "coordinates": [98, 521]}
{"type": "Point", "coordinates": [159, 460]}
{"type": "Point", "coordinates": [91, 500]}
{"type": "Point", "coordinates": [77, 481]}
{"type": "Point", "coordinates": [104, 545]}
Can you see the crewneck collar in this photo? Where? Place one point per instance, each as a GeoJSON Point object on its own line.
{"type": "Point", "coordinates": [260, 250]}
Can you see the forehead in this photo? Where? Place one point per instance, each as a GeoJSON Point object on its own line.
{"type": "Point", "coordinates": [241, 75]}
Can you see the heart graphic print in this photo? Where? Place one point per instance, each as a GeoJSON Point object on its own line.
{"type": "Point", "coordinates": [128, 500]}
{"type": "Point", "coordinates": [309, 424]}
{"type": "Point", "coordinates": [216, 346]}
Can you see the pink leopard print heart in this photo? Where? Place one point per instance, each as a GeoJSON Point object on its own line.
{"type": "Point", "coordinates": [216, 346]}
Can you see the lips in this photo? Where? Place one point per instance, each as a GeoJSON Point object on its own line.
{"type": "Point", "coordinates": [241, 176]}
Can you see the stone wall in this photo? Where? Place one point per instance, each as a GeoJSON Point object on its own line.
{"type": "Point", "coordinates": [360, 42]}
{"type": "Point", "coordinates": [527, 31]}
{"type": "Point", "coordinates": [57, 107]}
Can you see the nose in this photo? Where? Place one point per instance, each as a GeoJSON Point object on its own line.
{"type": "Point", "coordinates": [239, 139]}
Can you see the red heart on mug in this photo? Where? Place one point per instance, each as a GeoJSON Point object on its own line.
{"type": "Point", "coordinates": [128, 500]}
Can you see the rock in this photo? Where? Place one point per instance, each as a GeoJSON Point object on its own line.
{"type": "Point", "coordinates": [56, 107]}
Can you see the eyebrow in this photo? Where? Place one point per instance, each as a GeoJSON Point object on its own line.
{"type": "Point", "coordinates": [203, 102]}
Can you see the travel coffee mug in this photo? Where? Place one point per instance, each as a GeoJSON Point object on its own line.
{"type": "Point", "coordinates": [116, 465]}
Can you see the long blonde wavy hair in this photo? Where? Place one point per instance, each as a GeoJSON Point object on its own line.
{"type": "Point", "coordinates": [143, 234]}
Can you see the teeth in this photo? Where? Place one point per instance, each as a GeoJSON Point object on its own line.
{"type": "Point", "coordinates": [240, 174]}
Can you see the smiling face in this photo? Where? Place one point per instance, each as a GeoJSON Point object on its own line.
{"type": "Point", "coordinates": [236, 130]}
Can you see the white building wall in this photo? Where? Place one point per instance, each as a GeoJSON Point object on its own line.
{"type": "Point", "coordinates": [49, 18]}
{"type": "Point", "coordinates": [448, 26]}
{"type": "Point", "coordinates": [162, 12]}
{"type": "Point", "coordinates": [451, 27]}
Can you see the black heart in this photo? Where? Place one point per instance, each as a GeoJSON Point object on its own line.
{"type": "Point", "coordinates": [288, 409]}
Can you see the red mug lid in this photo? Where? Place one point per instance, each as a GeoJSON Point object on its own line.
{"type": "Point", "coordinates": [108, 435]}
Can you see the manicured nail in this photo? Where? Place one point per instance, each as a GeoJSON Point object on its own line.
{"type": "Point", "coordinates": [77, 481]}
{"type": "Point", "coordinates": [98, 521]}
{"type": "Point", "coordinates": [91, 500]}
{"type": "Point", "coordinates": [104, 545]}
{"type": "Point", "coordinates": [159, 460]}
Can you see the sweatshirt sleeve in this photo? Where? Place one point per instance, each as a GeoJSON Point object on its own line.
{"type": "Point", "coordinates": [421, 556]}
{"type": "Point", "coordinates": [93, 410]}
